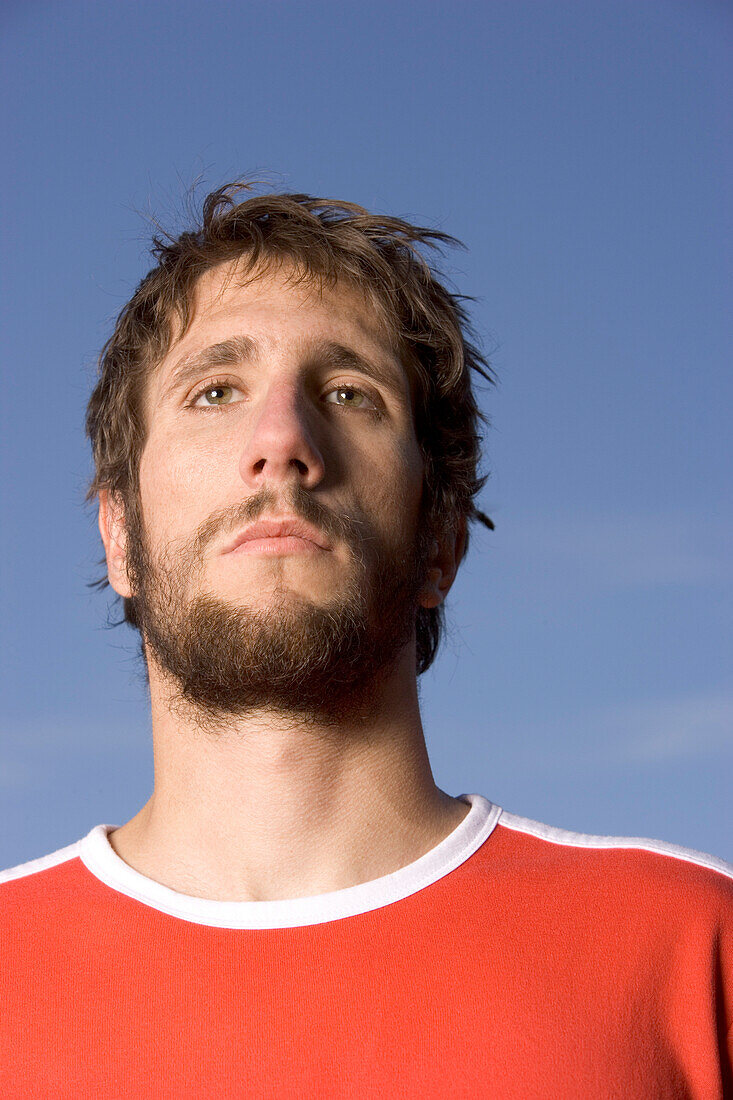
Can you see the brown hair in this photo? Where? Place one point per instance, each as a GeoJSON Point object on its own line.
{"type": "Point", "coordinates": [327, 240]}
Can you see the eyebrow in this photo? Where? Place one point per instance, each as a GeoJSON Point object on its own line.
{"type": "Point", "coordinates": [242, 349]}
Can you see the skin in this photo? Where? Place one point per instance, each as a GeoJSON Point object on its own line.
{"type": "Point", "coordinates": [295, 763]}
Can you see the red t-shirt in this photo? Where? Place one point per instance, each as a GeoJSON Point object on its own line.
{"type": "Point", "coordinates": [513, 961]}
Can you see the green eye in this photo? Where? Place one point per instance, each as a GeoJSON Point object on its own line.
{"type": "Point", "coordinates": [348, 397]}
{"type": "Point", "coordinates": [349, 393]}
{"type": "Point", "coordinates": [219, 388]}
{"type": "Point", "coordinates": [216, 389]}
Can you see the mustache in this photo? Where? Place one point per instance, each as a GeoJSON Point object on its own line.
{"type": "Point", "coordinates": [353, 530]}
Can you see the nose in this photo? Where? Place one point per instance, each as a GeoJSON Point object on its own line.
{"type": "Point", "coordinates": [280, 446]}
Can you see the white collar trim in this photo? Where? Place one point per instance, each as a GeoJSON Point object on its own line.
{"type": "Point", "coordinates": [99, 857]}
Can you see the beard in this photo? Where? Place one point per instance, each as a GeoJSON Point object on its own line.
{"type": "Point", "coordinates": [318, 664]}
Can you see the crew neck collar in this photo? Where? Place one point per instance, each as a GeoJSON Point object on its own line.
{"type": "Point", "coordinates": [100, 858]}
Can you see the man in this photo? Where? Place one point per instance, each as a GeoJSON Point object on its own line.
{"type": "Point", "coordinates": [285, 447]}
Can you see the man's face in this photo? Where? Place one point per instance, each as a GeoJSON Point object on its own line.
{"type": "Point", "coordinates": [278, 401]}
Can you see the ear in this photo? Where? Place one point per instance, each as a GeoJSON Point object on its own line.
{"type": "Point", "coordinates": [446, 558]}
{"type": "Point", "coordinates": [114, 536]}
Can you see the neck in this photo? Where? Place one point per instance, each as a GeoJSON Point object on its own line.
{"type": "Point", "coordinates": [268, 808]}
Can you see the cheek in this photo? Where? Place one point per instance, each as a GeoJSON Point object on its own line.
{"type": "Point", "coordinates": [393, 488]}
{"type": "Point", "coordinates": [413, 467]}
{"type": "Point", "coordinates": [177, 484]}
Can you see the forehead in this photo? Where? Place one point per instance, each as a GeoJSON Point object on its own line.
{"type": "Point", "coordinates": [279, 305]}
{"type": "Point", "coordinates": [285, 293]}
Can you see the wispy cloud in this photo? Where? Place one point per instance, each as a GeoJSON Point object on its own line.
{"type": "Point", "coordinates": [60, 740]}
{"type": "Point", "coordinates": [669, 729]}
{"type": "Point", "coordinates": [652, 731]}
{"type": "Point", "coordinates": [628, 548]}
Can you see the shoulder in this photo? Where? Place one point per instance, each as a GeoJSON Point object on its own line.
{"type": "Point", "coordinates": [42, 863]}
{"type": "Point", "coordinates": [40, 885]}
{"type": "Point", "coordinates": [637, 863]}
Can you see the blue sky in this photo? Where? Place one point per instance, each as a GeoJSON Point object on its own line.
{"type": "Point", "coordinates": [580, 152]}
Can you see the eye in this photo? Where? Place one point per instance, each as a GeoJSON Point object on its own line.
{"type": "Point", "coordinates": [217, 387]}
{"type": "Point", "coordinates": [215, 393]}
{"type": "Point", "coordinates": [354, 398]}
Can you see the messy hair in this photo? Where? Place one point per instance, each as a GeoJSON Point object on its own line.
{"type": "Point", "coordinates": [325, 241]}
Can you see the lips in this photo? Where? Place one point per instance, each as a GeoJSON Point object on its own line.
{"type": "Point", "coordinates": [279, 528]}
